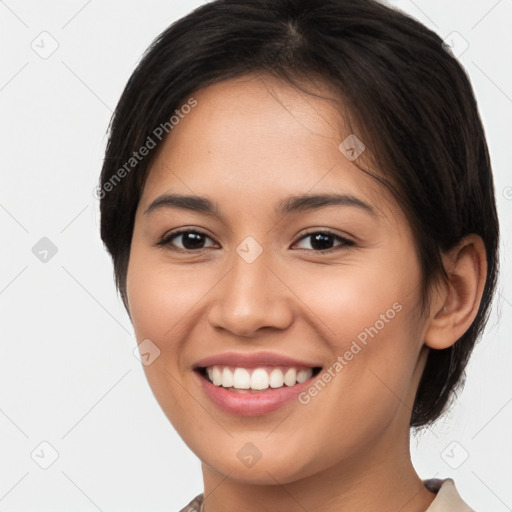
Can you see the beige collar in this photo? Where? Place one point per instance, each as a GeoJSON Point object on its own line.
{"type": "Point", "coordinates": [448, 498]}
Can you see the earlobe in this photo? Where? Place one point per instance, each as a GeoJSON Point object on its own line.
{"type": "Point", "coordinates": [455, 305]}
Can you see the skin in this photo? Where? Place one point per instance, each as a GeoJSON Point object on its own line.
{"type": "Point", "coordinates": [250, 143]}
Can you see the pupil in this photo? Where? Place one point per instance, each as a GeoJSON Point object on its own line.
{"type": "Point", "coordinates": [192, 240]}
{"type": "Point", "coordinates": [319, 241]}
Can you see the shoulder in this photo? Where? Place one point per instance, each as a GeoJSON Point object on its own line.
{"type": "Point", "coordinates": [448, 498]}
{"type": "Point", "coordinates": [195, 505]}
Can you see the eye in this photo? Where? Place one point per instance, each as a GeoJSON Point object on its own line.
{"type": "Point", "coordinates": [321, 241]}
{"type": "Point", "coordinates": [191, 240]}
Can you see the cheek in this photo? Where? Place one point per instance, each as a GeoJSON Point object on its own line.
{"type": "Point", "coordinates": [162, 299]}
{"type": "Point", "coordinates": [358, 299]}
{"type": "Point", "coordinates": [161, 306]}
{"type": "Point", "coordinates": [369, 323]}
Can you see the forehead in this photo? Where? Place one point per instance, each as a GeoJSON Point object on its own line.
{"type": "Point", "coordinates": [256, 137]}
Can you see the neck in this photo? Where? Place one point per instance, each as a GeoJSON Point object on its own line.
{"type": "Point", "coordinates": [382, 478]}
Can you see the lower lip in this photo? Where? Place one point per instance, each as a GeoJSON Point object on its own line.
{"type": "Point", "coordinates": [252, 404]}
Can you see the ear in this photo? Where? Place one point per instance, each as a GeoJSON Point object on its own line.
{"type": "Point", "coordinates": [454, 305]}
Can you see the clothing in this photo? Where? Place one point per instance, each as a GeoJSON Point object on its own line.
{"type": "Point", "coordinates": [447, 499]}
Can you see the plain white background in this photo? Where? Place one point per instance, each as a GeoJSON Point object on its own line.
{"type": "Point", "coordinates": [69, 378]}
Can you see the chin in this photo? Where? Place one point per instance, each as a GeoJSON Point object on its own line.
{"type": "Point", "coordinates": [279, 467]}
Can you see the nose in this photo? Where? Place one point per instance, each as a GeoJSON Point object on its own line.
{"type": "Point", "coordinates": [251, 296]}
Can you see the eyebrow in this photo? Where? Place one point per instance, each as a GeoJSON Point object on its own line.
{"type": "Point", "coordinates": [292, 204]}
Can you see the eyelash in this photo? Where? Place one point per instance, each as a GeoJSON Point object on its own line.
{"type": "Point", "coordinates": [166, 240]}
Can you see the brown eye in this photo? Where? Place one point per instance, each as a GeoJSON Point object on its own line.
{"type": "Point", "coordinates": [191, 240]}
{"type": "Point", "coordinates": [323, 240]}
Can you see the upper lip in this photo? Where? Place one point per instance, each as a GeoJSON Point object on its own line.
{"type": "Point", "coordinates": [253, 360]}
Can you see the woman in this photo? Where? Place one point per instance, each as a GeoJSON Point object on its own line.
{"type": "Point", "coordinates": [298, 200]}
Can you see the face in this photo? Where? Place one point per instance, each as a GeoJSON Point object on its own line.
{"type": "Point", "coordinates": [303, 311]}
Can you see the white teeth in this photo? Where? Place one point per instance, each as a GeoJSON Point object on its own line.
{"type": "Point", "coordinates": [258, 378]}
{"type": "Point", "coordinates": [290, 377]}
{"type": "Point", "coordinates": [276, 379]}
{"type": "Point", "coordinates": [241, 379]}
{"type": "Point", "coordinates": [227, 378]}
{"type": "Point", "coordinates": [303, 375]}
{"type": "Point", "coordinates": [217, 376]}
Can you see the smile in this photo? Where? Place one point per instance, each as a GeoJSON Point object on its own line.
{"type": "Point", "coordinates": [256, 379]}
{"type": "Point", "coordinates": [253, 384]}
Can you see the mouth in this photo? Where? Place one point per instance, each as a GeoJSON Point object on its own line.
{"type": "Point", "coordinates": [246, 387]}
{"type": "Point", "coordinates": [239, 379]}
